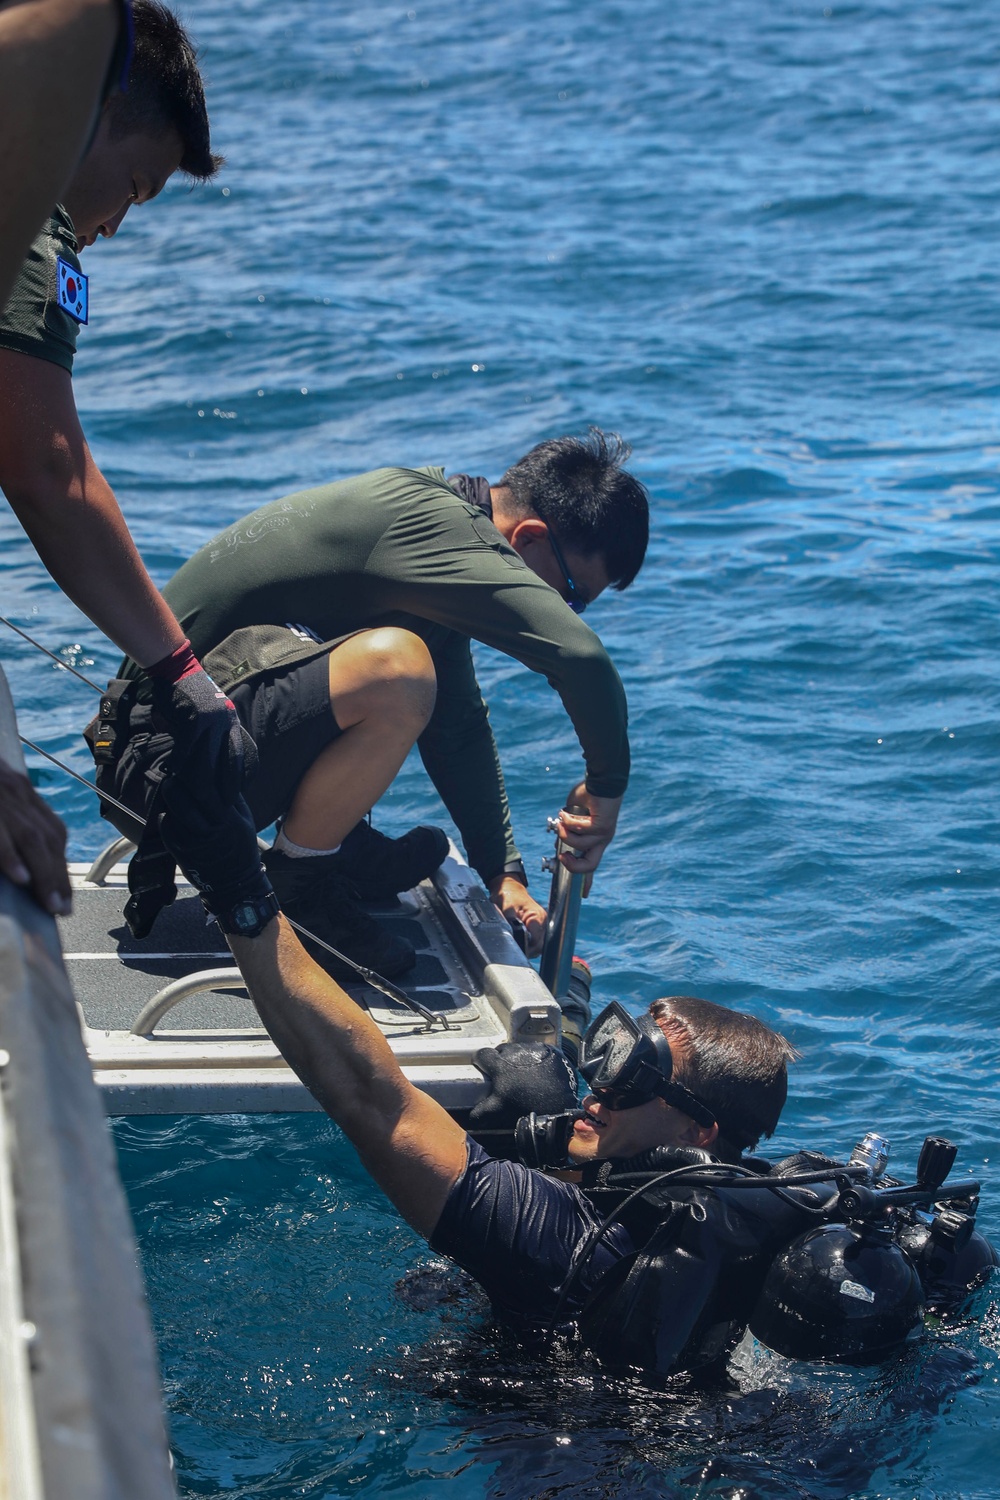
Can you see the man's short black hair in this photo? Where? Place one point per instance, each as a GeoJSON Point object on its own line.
{"type": "Point", "coordinates": [730, 1061]}
{"type": "Point", "coordinates": [165, 89]}
{"type": "Point", "coordinates": [578, 487]}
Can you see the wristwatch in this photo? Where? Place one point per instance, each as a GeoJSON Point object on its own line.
{"type": "Point", "coordinates": [249, 918]}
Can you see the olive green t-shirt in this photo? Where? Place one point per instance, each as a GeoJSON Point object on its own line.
{"type": "Point", "coordinates": [33, 322]}
{"type": "Point", "coordinates": [399, 547]}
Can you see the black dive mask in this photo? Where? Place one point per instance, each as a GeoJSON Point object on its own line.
{"type": "Point", "coordinates": [626, 1061]}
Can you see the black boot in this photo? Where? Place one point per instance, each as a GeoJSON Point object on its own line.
{"type": "Point", "coordinates": [381, 867]}
{"type": "Point", "coordinates": [314, 893]}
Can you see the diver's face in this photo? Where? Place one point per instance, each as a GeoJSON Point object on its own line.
{"type": "Point", "coordinates": [625, 1132]}
{"type": "Point", "coordinates": [116, 173]}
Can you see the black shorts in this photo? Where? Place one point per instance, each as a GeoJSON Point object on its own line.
{"type": "Point", "coordinates": [286, 711]}
{"type": "Point", "coordinates": [288, 715]}
{"type": "Point", "coordinates": [517, 1232]}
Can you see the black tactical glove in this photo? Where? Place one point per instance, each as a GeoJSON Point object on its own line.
{"type": "Point", "coordinates": [523, 1077]}
{"type": "Point", "coordinates": [215, 844]}
{"type": "Point", "coordinates": [208, 739]}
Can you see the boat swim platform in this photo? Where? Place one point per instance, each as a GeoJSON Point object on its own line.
{"type": "Point", "coordinates": [163, 1041]}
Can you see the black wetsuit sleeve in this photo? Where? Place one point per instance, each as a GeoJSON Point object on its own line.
{"type": "Point", "coordinates": [516, 1232]}
{"type": "Point", "coordinates": [460, 755]}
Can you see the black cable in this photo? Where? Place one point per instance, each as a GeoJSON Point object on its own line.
{"type": "Point", "coordinates": [105, 796]}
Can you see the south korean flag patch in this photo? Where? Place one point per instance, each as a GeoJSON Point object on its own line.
{"type": "Point", "coordinates": [71, 290]}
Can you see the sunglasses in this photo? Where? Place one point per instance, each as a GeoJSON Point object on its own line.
{"type": "Point", "coordinates": [573, 597]}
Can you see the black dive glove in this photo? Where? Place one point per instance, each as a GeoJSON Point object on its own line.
{"type": "Point", "coordinates": [523, 1077]}
{"type": "Point", "coordinates": [208, 739]}
{"type": "Point", "coordinates": [215, 844]}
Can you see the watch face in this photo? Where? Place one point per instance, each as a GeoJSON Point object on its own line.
{"type": "Point", "coordinates": [244, 916]}
{"type": "Point", "coordinates": [248, 917]}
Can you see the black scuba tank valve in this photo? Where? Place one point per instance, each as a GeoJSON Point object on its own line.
{"type": "Point", "coordinates": [936, 1159]}
{"type": "Point", "coordinates": [952, 1258]}
{"type": "Point", "coordinates": [952, 1227]}
{"type": "Point", "coordinates": [857, 1202]}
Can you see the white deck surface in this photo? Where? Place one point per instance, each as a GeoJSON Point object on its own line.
{"type": "Point", "coordinates": [210, 1055]}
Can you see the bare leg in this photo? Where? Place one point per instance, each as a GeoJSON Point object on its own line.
{"type": "Point", "coordinates": [53, 58]}
{"type": "Point", "coordinates": [382, 690]}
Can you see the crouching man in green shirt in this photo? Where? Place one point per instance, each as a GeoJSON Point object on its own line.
{"type": "Point", "coordinates": [339, 620]}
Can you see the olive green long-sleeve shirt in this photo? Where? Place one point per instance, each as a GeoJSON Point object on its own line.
{"type": "Point", "coordinates": [399, 547]}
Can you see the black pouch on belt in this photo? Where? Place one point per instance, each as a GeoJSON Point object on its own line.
{"type": "Point", "coordinates": [131, 759]}
{"type": "Point", "coordinates": [108, 732]}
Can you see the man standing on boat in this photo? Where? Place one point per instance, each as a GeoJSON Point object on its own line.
{"type": "Point", "coordinates": [340, 621]}
{"type": "Point", "coordinates": [158, 126]}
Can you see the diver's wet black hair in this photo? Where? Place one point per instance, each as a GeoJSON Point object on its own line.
{"type": "Point", "coordinates": [578, 487]}
{"type": "Point", "coordinates": [165, 89]}
{"type": "Point", "coordinates": [733, 1063]}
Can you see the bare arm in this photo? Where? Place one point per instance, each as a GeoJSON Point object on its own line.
{"type": "Point", "coordinates": [411, 1146]}
{"type": "Point", "coordinates": [53, 58]}
{"type": "Point", "coordinates": [70, 513]}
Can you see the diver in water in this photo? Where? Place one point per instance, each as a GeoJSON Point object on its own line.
{"type": "Point", "coordinates": [159, 126]}
{"type": "Point", "coordinates": [340, 622]}
{"type": "Point", "coordinates": [668, 1240]}
{"type": "Point", "coordinates": [716, 1083]}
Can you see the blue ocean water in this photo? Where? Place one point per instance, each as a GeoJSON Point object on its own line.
{"type": "Point", "coordinates": [762, 241]}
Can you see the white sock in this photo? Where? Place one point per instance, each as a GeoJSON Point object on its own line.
{"type": "Point", "coordinates": [284, 845]}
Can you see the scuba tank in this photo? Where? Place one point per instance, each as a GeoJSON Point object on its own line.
{"type": "Point", "coordinates": [953, 1259]}
{"type": "Point", "coordinates": [841, 1293]}
{"type": "Point", "coordinates": [856, 1290]}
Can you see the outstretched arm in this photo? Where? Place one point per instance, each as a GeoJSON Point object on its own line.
{"type": "Point", "coordinates": [411, 1146]}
